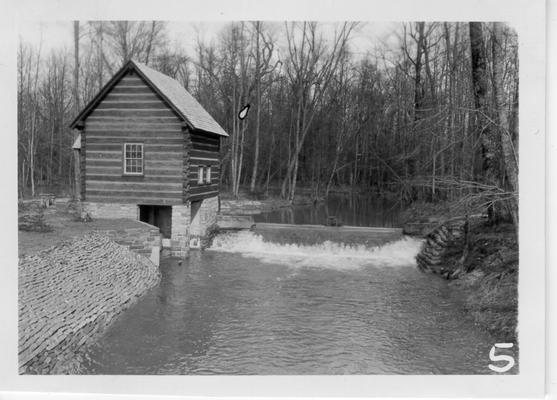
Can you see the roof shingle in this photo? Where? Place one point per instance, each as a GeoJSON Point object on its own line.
{"type": "Point", "coordinates": [182, 100]}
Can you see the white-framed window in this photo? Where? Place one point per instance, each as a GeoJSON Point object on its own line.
{"type": "Point", "coordinates": [208, 175]}
{"type": "Point", "coordinates": [133, 158]}
{"type": "Point", "coordinates": [203, 175]}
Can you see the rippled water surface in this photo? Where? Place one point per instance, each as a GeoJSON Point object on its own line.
{"type": "Point", "coordinates": [250, 307]}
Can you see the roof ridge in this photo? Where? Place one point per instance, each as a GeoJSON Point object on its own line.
{"type": "Point", "coordinates": [172, 91]}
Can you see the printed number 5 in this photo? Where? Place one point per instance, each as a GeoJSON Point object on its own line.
{"type": "Point", "coordinates": [503, 357]}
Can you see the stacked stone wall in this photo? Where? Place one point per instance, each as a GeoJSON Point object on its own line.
{"type": "Point", "coordinates": [141, 240]}
{"type": "Point", "coordinates": [205, 217]}
{"type": "Point", "coordinates": [180, 230]}
{"type": "Point", "coordinates": [184, 226]}
{"type": "Point", "coordinates": [69, 294]}
{"type": "Point", "coordinates": [440, 244]}
{"type": "Point", "coordinates": [111, 210]}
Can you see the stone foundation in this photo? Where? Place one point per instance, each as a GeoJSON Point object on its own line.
{"type": "Point", "coordinates": [189, 221]}
{"type": "Point", "coordinates": [440, 245]}
{"type": "Point", "coordinates": [141, 240]}
{"type": "Point", "coordinates": [180, 230]}
{"type": "Point", "coordinates": [204, 216]}
{"type": "Point", "coordinates": [110, 210]}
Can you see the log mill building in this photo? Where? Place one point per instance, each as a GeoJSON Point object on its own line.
{"type": "Point", "coordinates": [149, 151]}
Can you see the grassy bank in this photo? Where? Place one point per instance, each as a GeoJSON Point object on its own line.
{"type": "Point", "coordinates": [484, 267]}
{"type": "Point", "coordinates": [490, 279]}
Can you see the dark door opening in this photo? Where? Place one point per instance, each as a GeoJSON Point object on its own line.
{"type": "Point", "coordinates": [159, 216]}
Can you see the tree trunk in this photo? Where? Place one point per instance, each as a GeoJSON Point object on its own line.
{"type": "Point", "coordinates": [76, 66]}
{"type": "Point", "coordinates": [480, 88]}
{"type": "Point", "coordinates": [482, 124]}
{"type": "Point", "coordinates": [510, 158]}
{"type": "Point", "coordinates": [150, 43]}
{"type": "Point", "coordinates": [77, 169]}
{"type": "Point", "coordinates": [258, 105]}
{"type": "Point", "coordinates": [418, 90]}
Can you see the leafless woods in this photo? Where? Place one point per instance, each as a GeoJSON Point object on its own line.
{"type": "Point", "coordinates": [430, 111]}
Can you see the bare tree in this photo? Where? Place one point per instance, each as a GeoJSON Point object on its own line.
{"type": "Point", "coordinates": [310, 67]}
{"type": "Point", "coordinates": [76, 100]}
{"type": "Point", "coordinates": [487, 135]}
{"type": "Point", "coordinates": [263, 49]}
{"type": "Point", "coordinates": [133, 39]}
{"type": "Point", "coordinates": [409, 120]}
{"type": "Point", "coordinates": [76, 66]}
{"type": "Point", "coordinates": [510, 157]}
{"type": "Point", "coordinates": [28, 109]}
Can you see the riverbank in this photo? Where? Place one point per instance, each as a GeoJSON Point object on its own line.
{"type": "Point", "coordinates": [42, 228]}
{"type": "Point", "coordinates": [490, 279]}
{"type": "Point", "coordinates": [75, 277]}
{"type": "Point", "coordinates": [481, 261]}
{"type": "Point", "coordinates": [68, 295]}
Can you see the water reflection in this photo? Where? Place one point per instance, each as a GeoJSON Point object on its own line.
{"type": "Point", "coordinates": [353, 209]}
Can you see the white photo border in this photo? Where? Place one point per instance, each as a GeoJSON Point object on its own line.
{"type": "Point", "coordinates": [526, 16]}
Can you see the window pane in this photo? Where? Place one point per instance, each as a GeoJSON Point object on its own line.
{"type": "Point", "coordinates": [208, 175]}
{"type": "Point", "coordinates": [133, 158]}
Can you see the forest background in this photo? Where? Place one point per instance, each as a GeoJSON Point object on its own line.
{"type": "Point", "coordinates": [428, 113]}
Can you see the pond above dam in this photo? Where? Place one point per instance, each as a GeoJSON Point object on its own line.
{"type": "Point", "coordinates": [345, 209]}
{"type": "Point", "coordinates": [250, 306]}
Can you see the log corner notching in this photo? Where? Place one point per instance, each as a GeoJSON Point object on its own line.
{"type": "Point", "coordinates": [69, 294]}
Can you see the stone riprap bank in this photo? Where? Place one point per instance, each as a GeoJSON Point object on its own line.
{"type": "Point", "coordinates": [68, 294]}
{"type": "Point", "coordinates": [139, 237]}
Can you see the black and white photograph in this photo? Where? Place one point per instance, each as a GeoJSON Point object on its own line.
{"type": "Point", "coordinates": [239, 196]}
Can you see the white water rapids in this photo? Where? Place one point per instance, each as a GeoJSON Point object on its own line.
{"type": "Point", "coordinates": [325, 255]}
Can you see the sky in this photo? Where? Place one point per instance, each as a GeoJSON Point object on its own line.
{"type": "Point", "coordinates": [59, 34]}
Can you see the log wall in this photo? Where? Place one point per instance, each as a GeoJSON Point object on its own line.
{"type": "Point", "coordinates": [132, 113]}
{"type": "Point", "coordinates": [204, 151]}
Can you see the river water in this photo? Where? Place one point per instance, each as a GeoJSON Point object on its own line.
{"type": "Point", "coordinates": [250, 306]}
{"type": "Point", "coordinates": [354, 210]}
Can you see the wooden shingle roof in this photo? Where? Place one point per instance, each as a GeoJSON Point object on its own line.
{"type": "Point", "coordinates": [172, 92]}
